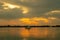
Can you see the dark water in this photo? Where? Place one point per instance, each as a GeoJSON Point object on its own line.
{"type": "Point", "coordinates": [51, 33]}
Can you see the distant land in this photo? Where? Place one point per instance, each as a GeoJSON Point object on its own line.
{"type": "Point", "coordinates": [27, 26]}
{"type": "Point", "coordinates": [30, 26]}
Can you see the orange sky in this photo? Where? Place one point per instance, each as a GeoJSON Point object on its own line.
{"type": "Point", "coordinates": [29, 21]}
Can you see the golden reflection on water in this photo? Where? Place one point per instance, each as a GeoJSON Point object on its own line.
{"type": "Point", "coordinates": [33, 32]}
{"type": "Point", "coordinates": [37, 32]}
{"type": "Point", "coordinates": [24, 32]}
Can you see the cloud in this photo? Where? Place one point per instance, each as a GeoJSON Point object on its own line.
{"type": "Point", "coordinates": [26, 21]}
{"type": "Point", "coordinates": [33, 8]}
{"type": "Point", "coordinates": [12, 14]}
{"type": "Point", "coordinates": [31, 21]}
{"type": "Point", "coordinates": [26, 9]}
{"type": "Point", "coordinates": [12, 11]}
{"type": "Point", "coordinates": [54, 13]}
{"type": "Point", "coordinates": [34, 21]}
{"type": "Point", "coordinates": [53, 16]}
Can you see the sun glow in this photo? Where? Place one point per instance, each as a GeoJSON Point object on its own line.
{"type": "Point", "coordinates": [24, 9]}
{"type": "Point", "coordinates": [39, 19]}
{"type": "Point", "coordinates": [28, 21]}
{"type": "Point", "coordinates": [33, 21]}
{"type": "Point", "coordinates": [9, 6]}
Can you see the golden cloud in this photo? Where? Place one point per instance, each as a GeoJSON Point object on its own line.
{"type": "Point", "coordinates": [33, 21]}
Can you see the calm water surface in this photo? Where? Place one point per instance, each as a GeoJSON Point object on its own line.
{"type": "Point", "coordinates": [46, 33]}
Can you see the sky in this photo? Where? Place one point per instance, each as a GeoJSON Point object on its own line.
{"type": "Point", "coordinates": [29, 12]}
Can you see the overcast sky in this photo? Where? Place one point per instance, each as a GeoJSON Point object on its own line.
{"type": "Point", "coordinates": [29, 12]}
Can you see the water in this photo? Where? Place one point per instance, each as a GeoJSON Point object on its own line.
{"type": "Point", "coordinates": [47, 33]}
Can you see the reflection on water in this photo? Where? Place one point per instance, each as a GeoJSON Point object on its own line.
{"type": "Point", "coordinates": [36, 33]}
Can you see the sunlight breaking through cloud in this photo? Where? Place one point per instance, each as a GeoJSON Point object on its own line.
{"type": "Point", "coordinates": [33, 21]}
{"type": "Point", "coordinates": [24, 9]}
{"type": "Point", "coordinates": [9, 6]}
{"type": "Point", "coordinates": [30, 12]}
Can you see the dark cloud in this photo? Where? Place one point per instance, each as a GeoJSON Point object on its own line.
{"type": "Point", "coordinates": [54, 4]}
{"type": "Point", "coordinates": [11, 14]}
{"type": "Point", "coordinates": [38, 8]}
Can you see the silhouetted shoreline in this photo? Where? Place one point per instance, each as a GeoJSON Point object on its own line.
{"type": "Point", "coordinates": [30, 26]}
